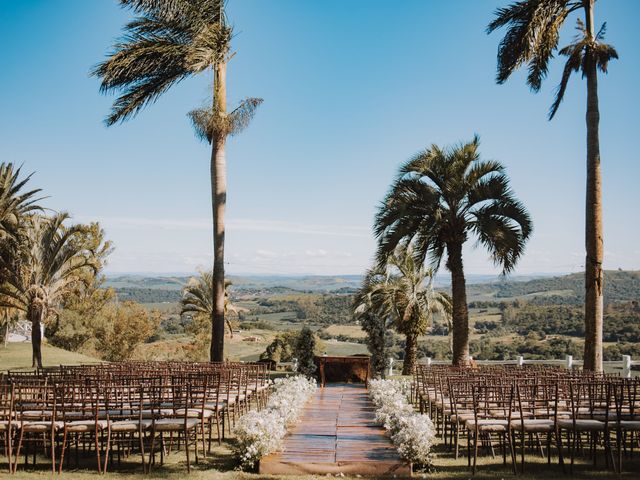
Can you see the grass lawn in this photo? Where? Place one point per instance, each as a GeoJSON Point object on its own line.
{"type": "Point", "coordinates": [220, 465]}
{"type": "Point", "coordinates": [353, 331]}
{"type": "Point", "coordinates": [18, 356]}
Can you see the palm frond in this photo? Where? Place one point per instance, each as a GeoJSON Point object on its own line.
{"type": "Point", "coordinates": [574, 61]}
{"type": "Point", "coordinates": [201, 11]}
{"type": "Point", "coordinates": [202, 121]}
{"type": "Point", "coordinates": [532, 36]}
{"type": "Point", "coordinates": [503, 228]}
{"type": "Point", "coordinates": [209, 46]}
{"type": "Point", "coordinates": [14, 201]}
{"type": "Point", "coordinates": [242, 115]}
{"type": "Point", "coordinates": [169, 41]}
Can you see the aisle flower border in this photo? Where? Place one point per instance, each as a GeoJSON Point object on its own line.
{"type": "Point", "coordinates": [411, 432]}
{"type": "Point", "coordinates": [259, 433]}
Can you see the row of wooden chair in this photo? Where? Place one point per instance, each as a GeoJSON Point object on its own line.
{"type": "Point", "coordinates": [119, 410]}
{"type": "Point", "coordinates": [522, 406]}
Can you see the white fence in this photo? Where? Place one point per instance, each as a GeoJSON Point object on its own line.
{"type": "Point", "coordinates": [624, 366]}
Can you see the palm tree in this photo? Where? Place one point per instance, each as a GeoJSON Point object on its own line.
{"type": "Point", "coordinates": [532, 37]}
{"type": "Point", "coordinates": [440, 198]}
{"type": "Point", "coordinates": [51, 262]}
{"type": "Point", "coordinates": [402, 291]}
{"type": "Point", "coordinates": [197, 298]}
{"type": "Point", "coordinates": [169, 41]}
{"type": "Point", "coordinates": [14, 202]}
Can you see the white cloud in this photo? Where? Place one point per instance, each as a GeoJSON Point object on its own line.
{"type": "Point", "coordinates": [238, 224]}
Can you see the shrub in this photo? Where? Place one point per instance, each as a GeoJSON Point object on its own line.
{"type": "Point", "coordinates": [261, 433]}
{"type": "Point", "coordinates": [304, 351]}
{"type": "Point", "coordinates": [411, 432]}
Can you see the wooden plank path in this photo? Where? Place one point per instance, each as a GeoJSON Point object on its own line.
{"type": "Point", "coordinates": [337, 433]}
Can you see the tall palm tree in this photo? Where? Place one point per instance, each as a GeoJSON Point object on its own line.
{"type": "Point", "coordinates": [50, 263]}
{"type": "Point", "coordinates": [169, 41]}
{"type": "Point", "coordinates": [197, 298]}
{"type": "Point", "coordinates": [440, 198]}
{"type": "Point", "coordinates": [532, 37]}
{"type": "Point", "coordinates": [402, 291]}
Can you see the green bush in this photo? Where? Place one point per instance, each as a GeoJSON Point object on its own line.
{"type": "Point", "coordinates": [305, 347]}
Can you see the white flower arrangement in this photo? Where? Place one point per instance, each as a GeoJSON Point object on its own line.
{"type": "Point", "coordinates": [412, 433]}
{"type": "Point", "coordinates": [261, 433]}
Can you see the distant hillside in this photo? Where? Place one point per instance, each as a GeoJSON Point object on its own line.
{"type": "Point", "coordinates": [619, 286]}
{"type": "Point", "coordinates": [167, 288]}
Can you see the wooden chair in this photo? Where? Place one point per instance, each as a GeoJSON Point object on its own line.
{"type": "Point", "coordinates": [492, 415]}
{"type": "Point", "coordinates": [586, 401]}
{"type": "Point", "coordinates": [124, 405]}
{"type": "Point", "coordinates": [78, 412]}
{"type": "Point", "coordinates": [35, 408]}
{"type": "Point", "coordinates": [8, 423]}
{"type": "Point", "coordinates": [536, 415]}
{"type": "Point", "coordinates": [627, 402]}
{"type": "Point", "coordinates": [178, 422]}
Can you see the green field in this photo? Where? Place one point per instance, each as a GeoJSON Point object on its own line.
{"type": "Point", "coordinates": [18, 355]}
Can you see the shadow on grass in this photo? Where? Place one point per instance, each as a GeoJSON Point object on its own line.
{"type": "Point", "coordinates": [446, 466]}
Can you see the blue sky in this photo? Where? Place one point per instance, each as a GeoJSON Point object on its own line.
{"type": "Point", "coordinates": [352, 89]}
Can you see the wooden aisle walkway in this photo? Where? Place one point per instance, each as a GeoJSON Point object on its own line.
{"type": "Point", "coordinates": [337, 433]}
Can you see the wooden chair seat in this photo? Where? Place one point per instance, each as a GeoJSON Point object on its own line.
{"type": "Point", "coordinates": [195, 413]}
{"type": "Point", "coordinates": [462, 417]}
{"type": "Point", "coordinates": [215, 407]}
{"type": "Point", "coordinates": [487, 424]}
{"type": "Point", "coordinates": [130, 425]}
{"type": "Point", "coordinates": [581, 424]}
{"type": "Point", "coordinates": [535, 425]}
{"type": "Point", "coordinates": [85, 425]}
{"type": "Point", "coordinates": [36, 414]}
{"type": "Point", "coordinates": [4, 424]}
{"type": "Point", "coordinates": [633, 425]}
{"type": "Point", "coordinates": [42, 426]}
{"type": "Point", "coordinates": [174, 424]}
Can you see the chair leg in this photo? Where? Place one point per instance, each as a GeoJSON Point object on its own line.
{"type": "Point", "coordinates": [64, 447]}
{"type": "Point", "coordinates": [107, 450]}
{"type": "Point", "coordinates": [53, 452]}
{"type": "Point", "coordinates": [475, 451]}
{"type": "Point", "coordinates": [509, 437]}
{"type": "Point", "coordinates": [560, 455]}
{"type": "Point", "coordinates": [141, 440]}
{"type": "Point", "coordinates": [17, 456]}
{"type": "Point", "coordinates": [151, 450]}
{"type": "Point", "coordinates": [522, 447]}
{"type": "Point", "coordinates": [186, 450]}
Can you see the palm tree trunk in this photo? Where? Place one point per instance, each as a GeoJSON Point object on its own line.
{"type": "Point", "coordinates": [594, 275]}
{"type": "Point", "coordinates": [35, 316]}
{"type": "Point", "coordinates": [410, 354]}
{"type": "Point", "coordinates": [219, 201]}
{"type": "Point", "coordinates": [460, 312]}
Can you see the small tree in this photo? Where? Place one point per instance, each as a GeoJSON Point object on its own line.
{"type": "Point", "coordinates": [124, 327]}
{"type": "Point", "coordinates": [377, 342]}
{"type": "Point", "coordinates": [281, 349]}
{"type": "Point", "coordinates": [402, 293]}
{"type": "Point", "coordinates": [52, 262]}
{"type": "Point", "coordinates": [304, 351]}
